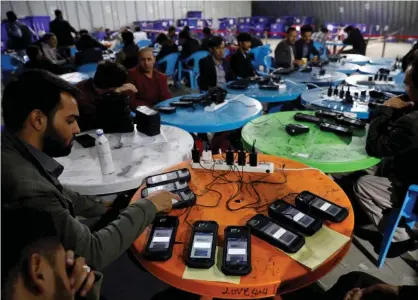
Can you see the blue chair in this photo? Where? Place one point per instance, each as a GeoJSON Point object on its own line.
{"type": "Point", "coordinates": [321, 49]}
{"type": "Point", "coordinates": [73, 51]}
{"type": "Point", "coordinates": [88, 69]}
{"type": "Point", "coordinates": [407, 212]}
{"type": "Point", "coordinates": [226, 52]}
{"type": "Point", "coordinates": [8, 63]}
{"type": "Point", "coordinates": [144, 43]}
{"type": "Point", "coordinates": [195, 57]}
{"type": "Point", "coordinates": [171, 62]}
{"type": "Point", "coordinates": [258, 55]}
{"type": "Point", "coordinates": [268, 63]}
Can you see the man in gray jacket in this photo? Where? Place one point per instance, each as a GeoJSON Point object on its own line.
{"type": "Point", "coordinates": [40, 115]}
{"type": "Point", "coordinates": [284, 55]}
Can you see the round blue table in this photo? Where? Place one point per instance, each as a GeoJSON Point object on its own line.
{"type": "Point", "coordinates": [356, 59]}
{"type": "Point", "coordinates": [291, 92]}
{"type": "Point", "coordinates": [397, 87]}
{"type": "Point", "coordinates": [373, 69]}
{"type": "Point", "coordinates": [300, 77]}
{"type": "Point", "coordinates": [346, 68]}
{"type": "Point", "coordinates": [383, 61]}
{"type": "Point", "coordinates": [240, 110]}
{"type": "Point", "coordinates": [318, 99]}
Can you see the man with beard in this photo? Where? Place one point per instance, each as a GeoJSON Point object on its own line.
{"type": "Point", "coordinates": [40, 115]}
{"type": "Point", "coordinates": [36, 266]}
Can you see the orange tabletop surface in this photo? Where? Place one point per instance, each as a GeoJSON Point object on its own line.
{"type": "Point", "coordinates": [273, 272]}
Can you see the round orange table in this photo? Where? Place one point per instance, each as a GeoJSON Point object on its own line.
{"type": "Point", "coordinates": [273, 272]}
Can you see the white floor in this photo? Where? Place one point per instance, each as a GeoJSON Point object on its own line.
{"type": "Point", "coordinates": [374, 48]}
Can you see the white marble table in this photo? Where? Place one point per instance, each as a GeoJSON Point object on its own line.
{"type": "Point", "coordinates": [135, 157]}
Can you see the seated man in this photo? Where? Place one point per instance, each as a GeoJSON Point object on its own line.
{"type": "Point", "coordinates": [151, 85]}
{"type": "Point", "coordinates": [321, 36]}
{"type": "Point", "coordinates": [167, 47]}
{"type": "Point", "coordinates": [86, 41]}
{"type": "Point", "coordinates": [38, 61]}
{"type": "Point", "coordinates": [214, 69]}
{"type": "Point", "coordinates": [241, 63]}
{"type": "Point", "coordinates": [109, 77]}
{"type": "Point", "coordinates": [40, 115]}
{"type": "Point", "coordinates": [207, 35]}
{"type": "Point", "coordinates": [284, 55]}
{"type": "Point", "coordinates": [393, 136]}
{"type": "Point", "coordinates": [188, 44]}
{"type": "Point", "coordinates": [36, 265]}
{"type": "Point", "coordinates": [128, 56]}
{"type": "Point", "coordinates": [355, 39]}
{"type": "Point", "coordinates": [304, 47]}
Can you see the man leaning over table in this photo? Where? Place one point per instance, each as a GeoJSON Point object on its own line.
{"type": "Point", "coordinates": [40, 115]}
{"type": "Point", "coordinates": [393, 136]}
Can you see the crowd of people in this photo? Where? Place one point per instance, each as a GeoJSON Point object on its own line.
{"type": "Point", "coordinates": [60, 257]}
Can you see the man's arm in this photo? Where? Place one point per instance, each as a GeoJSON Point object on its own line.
{"type": "Point", "coordinates": [101, 247]}
{"type": "Point", "coordinates": [203, 76]}
{"type": "Point", "coordinates": [348, 40]}
{"type": "Point", "coordinates": [71, 28]}
{"type": "Point", "coordinates": [85, 206]}
{"type": "Point", "coordinates": [383, 141]}
{"type": "Point", "coordinates": [165, 93]}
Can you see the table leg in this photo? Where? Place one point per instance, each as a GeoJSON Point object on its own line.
{"type": "Point", "coordinates": [334, 49]}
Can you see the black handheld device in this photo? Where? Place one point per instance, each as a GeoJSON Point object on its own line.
{"type": "Point", "coordinates": [275, 234]}
{"type": "Point", "coordinates": [306, 118]}
{"type": "Point", "coordinates": [291, 216]}
{"type": "Point", "coordinates": [296, 129]}
{"type": "Point", "coordinates": [162, 237]}
{"type": "Point", "coordinates": [165, 109]}
{"type": "Point", "coordinates": [326, 114]}
{"type": "Point", "coordinates": [337, 129]}
{"type": "Point", "coordinates": [202, 246]}
{"type": "Point", "coordinates": [182, 104]}
{"type": "Point", "coordinates": [168, 177]}
{"type": "Point", "coordinates": [176, 186]}
{"type": "Point", "coordinates": [187, 198]}
{"type": "Point", "coordinates": [237, 251]}
{"type": "Point", "coordinates": [85, 140]}
{"type": "Point", "coordinates": [350, 121]}
{"type": "Point", "coordinates": [192, 98]}
{"type": "Point", "coordinates": [312, 204]}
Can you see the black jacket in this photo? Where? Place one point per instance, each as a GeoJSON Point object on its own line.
{"type": "Point", "coordinates": [255, 42]}
{"type": "Point", "coordinates": [205, 43]}
{"type": "Point", "coordinates": [166, 50]}
{"type": "Point", "coordinates": [87, 42]}
{"type": "Point", "coordinates": [282, 55]}
{"type": "Point", "coordinates": [62, 29]}
{"type": "Point", "coordinates": [207, 70]}
{"type": "Point", "coordinates": [299, 49]}
{"type": "Point", "coordinates": [394, 136]}
{"type": "Point", "coordinates": [241, 65]}
{"type": "Point", "coordinates": [355, 38]}
{"type": "Point", "coordinates": [189, 47]}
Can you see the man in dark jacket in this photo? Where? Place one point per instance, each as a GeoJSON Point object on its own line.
{"type": "Point", "coordinates": [214, 70]}
{"type": "Point", "coordinates": [207, 35]}
{"type": "Point", "coordinates": [284, 54]}
{"type": "Point", "coordinates": [19, 35]}
{"type": "Point", "coordinates": [392, 136]}
{"type": "Point", "coordinates": [62, 30]}
{"type": "Point", "coordinates": [240, 61]}
{"type": "Point", "coordinates": [355, 39]}
{"type": "Point", "coordinates": [188, 44]}
{"type": "Point", "coordinates": [40, 115]}
{"type": "Point", "coordinates": [304, 47]}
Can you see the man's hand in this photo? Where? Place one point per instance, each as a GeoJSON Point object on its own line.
{"type": "Point", "coordinates": [162, 200]}
{"type": "Point", "coordinates": [315, 58]}
{"type": "Point", "coordinates": [81, 278]}
{"type": "Point", "coordinates": [354, 294]}
{"type": "Point", "coordinates": [380, 291]}
{"type": "Point", "coordinates": [126, 87]}
{"type": "Point", "coordinates": [398, 103]}
{"type": "Point", "coordinates": [298, 62]}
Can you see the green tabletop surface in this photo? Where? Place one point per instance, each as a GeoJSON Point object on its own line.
{"type": "Point", "coordinates": [326, 151]}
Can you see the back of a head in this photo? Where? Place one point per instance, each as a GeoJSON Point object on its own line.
{"type": "Point", "coordinates": [32, 52]}
{"type": "Point", "coordinates": [244, 37]}
{"type": "Point", "coordinates": [324, 29]}
{"type": "Point", "coordinates": [46, 37]}
{"type": "Point", "coordinates": [34, 89]}
{"type": "Point", "coordinates": [186, 28]}
{"type": "Point", "coordinates": [58, 13]}
{"type": "Point", "coordinates": [161, 38]}
{"type": "Point", "coordinates": [137, 29]}
{"type": "Point", "coordinates": [110, 75]}
{"type": "Point", "coordinates": [84, 32]}
{"type": "Point", "coordinates": [127, 37]}
{"type": "Point", "coordinates": [290, 29]}
{"type": "Point", "coordinates": [348, 29]}
{"type": "Point", "coordinates": [11, 16]}
{"type": "Point", "coordinates": [207, 31]}
{"type": "Point", "coordinates": [171, 29]}
{"type": "Point", "coordinates": [215, 41]}
{"type": "Point", "coordinates": [184, 35]}
{"type": "Point", "coordinates": [306, 28]}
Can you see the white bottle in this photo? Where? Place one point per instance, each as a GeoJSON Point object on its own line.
{"type": "Point", "coordinates": [104, 153]}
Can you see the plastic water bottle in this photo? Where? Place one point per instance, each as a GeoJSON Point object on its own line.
{"type": "Point", "coordinates": [104, 153]}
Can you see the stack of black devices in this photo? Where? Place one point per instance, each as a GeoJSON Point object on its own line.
{"type": "Point", "coordinates": [344, 124]}
{"type": "Point", "coordinates": [240, 84]}
{"type": "Point", "coordinates": [148, 121]}
{"type": "Point", "coordinates": [176, 182]}
{"type": "Point", "coordinates": [114, 114]}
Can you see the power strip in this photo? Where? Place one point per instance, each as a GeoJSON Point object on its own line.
{"type": "Point", "coordinates": [220, 164]}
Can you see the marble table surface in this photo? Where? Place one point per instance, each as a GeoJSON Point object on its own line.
{"type": "Point", "coordinates": [330, 76]}
{"type": "Point", "coordinates": [346, 68]}
{"type": "Point", "coordinates": [135, 157]}
{"type": "Point", "coordinates": [326, 151]}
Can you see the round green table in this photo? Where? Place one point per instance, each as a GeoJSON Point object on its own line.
{"type": "Point", "coordinates": [326, 151]}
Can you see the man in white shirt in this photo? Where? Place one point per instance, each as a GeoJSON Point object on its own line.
{"type": "Point", "coordinates": [139, 35]}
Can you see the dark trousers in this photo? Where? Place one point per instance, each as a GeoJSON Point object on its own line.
{"type": "Point", "coordinates": [348, 282]}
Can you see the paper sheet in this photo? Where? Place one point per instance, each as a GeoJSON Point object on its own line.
{"type": "Point", "coordinates": [212, 274]}
{"type": "Point", "coordinates": [319, 247]}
